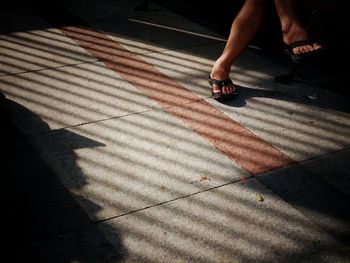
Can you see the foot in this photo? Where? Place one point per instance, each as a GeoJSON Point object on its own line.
{"type": "Point", "coordinates": [296, 33]}
{"type": "Point", "coordinates": [218, 72]}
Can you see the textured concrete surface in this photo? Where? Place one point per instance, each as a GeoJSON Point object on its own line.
{"type": "Point", "coordinates": [299, 126]}
{"type": "Point", "coordinates": [71, 96]}
{"type": "Point", "coordinates": [157, 33]}
{"type": "Point", "coordinates": [93, 11]}
{"type": "Point", "coordinates": [314, 197]}
{"type": "Point", "coordinates": [223, 225]}
{"type": "Point", "coordinates": [37, 48]}
{"type": "Point", "coordinates": [115, 152]}
{"type": "Point", "coordinates": [333, 168]}
{"type": "Point", "coordinates": [129, 163]}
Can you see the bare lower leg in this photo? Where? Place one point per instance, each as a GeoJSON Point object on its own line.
{"type": "Point", "coordinates": [243, 29]}
{"type": "Point", "coordinates": [291, 27]}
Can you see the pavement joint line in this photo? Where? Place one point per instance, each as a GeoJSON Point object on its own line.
{"type": "Point", "coordinates": [48, 68]}
{"type": "Point", "coordinates": [97, 222]}
{"type": "Point", "coordinates": [161, 51]}
{"type": "Point", "coordinates": [103, 120]}
{"type": "Point", "coordinates": [99, 20]}
{"type": "Point", "coordinates": [173, 200]}
{"type": "Point", "coordinates": [35, 43]}
{"type": "Point", "coordinates": [88, 23]}
{"type": "Point", "coordinates": [88, 122]}
{"type": "Point", "coordinates": [166, 50]}
{"type": "Point", "coordinates": [324, 155]}
{"type": "Point", "coordinates": [177, 30]}
{"type": "Point", "coordinates": [219, 40]}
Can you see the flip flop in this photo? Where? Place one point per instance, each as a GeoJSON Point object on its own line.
{"type": "Point", "coordinates": [222, 84]}
{"type": "Point", "coordinates": [298, 58]}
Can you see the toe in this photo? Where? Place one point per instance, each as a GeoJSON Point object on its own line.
{"type": "Point", "coordinates": [229, 89]}
{"type": "Point", "coordinates": [316, 46]}
{"type": "Point", "coordinates": [305, 49]}
{"type": "Point", "coordinates": [216, 89]}
{"type": "Point", "coordinates": [310, 48]}
{"type": "Point", "coordinates": [297, 50]}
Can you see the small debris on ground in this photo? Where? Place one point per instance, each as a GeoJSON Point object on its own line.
{"type": "Point", "coordinates": [259, 198]}
{"type": "Point", "coordinates": [203, 178]}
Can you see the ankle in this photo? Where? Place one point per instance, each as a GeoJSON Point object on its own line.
{"type": "Point", "coordinates": [220, 70]}
{"type": "Point", "coordinates": [293, 31]}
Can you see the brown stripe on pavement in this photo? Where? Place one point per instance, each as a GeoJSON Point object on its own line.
{"type": "Point", "coordinates": [234, 140]}
{"type": "Point", "coordinates": [231, 138]}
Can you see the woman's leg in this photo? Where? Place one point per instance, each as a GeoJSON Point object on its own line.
{"type": "Point", "coordinates": [291, 27]}
{"type": "Point", "coordinates": [243, 29]}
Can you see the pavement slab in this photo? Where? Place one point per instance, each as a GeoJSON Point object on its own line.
{"type": "Point", "coordinates": [157, 33]}
{"type": "Point", "coordinates": [70, 96]}
{"type": "Point", "coordinates": [333, 168]}
{"type": "Point", "coordinates": [39, 48]}
{"type": "Point", "coordinates": [314, 197]}
{"type": "Point", "coordinates": [299, 127]}
{"type": "Point", "coordinates": [226, 224]}
{"type": "Point", "coordinates": [105, 10]}
{"type": "Point", "coordinates": [117, 166]}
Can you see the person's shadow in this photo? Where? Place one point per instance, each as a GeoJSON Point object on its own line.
{"type": "Point", "coordinates": [45, 221]}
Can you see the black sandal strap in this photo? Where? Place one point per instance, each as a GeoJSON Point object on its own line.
{"type": "Point", "coordinates": [301, 43]}
{"type": "Point", "coordinates": [220, 83]}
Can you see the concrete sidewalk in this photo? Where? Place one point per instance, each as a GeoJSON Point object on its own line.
{"type": "Point", "coordinates": [115, 152]}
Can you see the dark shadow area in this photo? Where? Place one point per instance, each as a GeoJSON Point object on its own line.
{"type": "Point", "coordinates": [42, 220]}
{"type": "Point", "coordinates": [320, 101]}
{"type": "Point", "coordinates": [52, 11]}
{"type": "Point", "coordinates": [268, 38]}
{"type": "Point", "coordinates": [308, 193]}
{"type": "Point", "coordinates": [326, 21]}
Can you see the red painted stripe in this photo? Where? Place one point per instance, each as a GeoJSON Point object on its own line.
{"type": "Point", "coordinates": [231, 138]}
